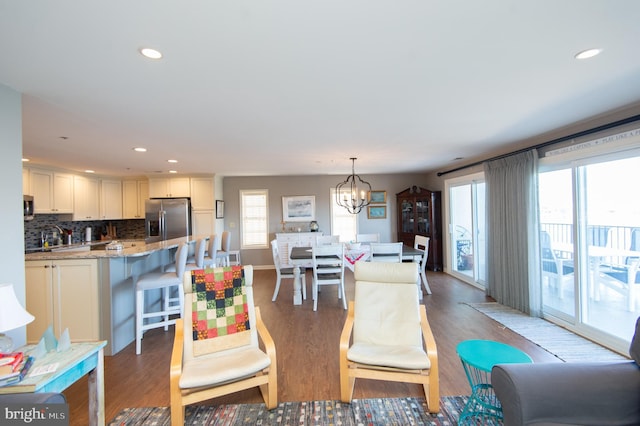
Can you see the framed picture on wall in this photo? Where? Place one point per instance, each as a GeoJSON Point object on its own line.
{"type": "Point", "coordinates": [219, 209]}
{"type": "Point", "coordinates": [299, 208]}
{"type": "Point", "coordinates": [378, 197]}
{"type": "Point", "coordinates": [377, 212]}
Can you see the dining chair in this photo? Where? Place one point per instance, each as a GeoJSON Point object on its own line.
{"type": "Point", "coordinates": [284, 272]}
{"type": "Point", "coordinates": [422, 243]}
{"type": "Point", "coordinates": [367, 238]}
{"type": "Point", "coordinates": [386, 252]}
{"type": "Point", "coordinates": [327, 239]}
{"type": "Point", "coordinates": [214, 358]}
{"type": "Point", "coordinates": [371, 346]}
{"type": "Point", "coordinates": [328, 269]}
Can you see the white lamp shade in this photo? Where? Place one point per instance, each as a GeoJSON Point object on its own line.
{"type": "Point", "coordinates": [12, 314]}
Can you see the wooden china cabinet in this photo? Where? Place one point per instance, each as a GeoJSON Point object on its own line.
{"type": "Point", "coordinates": [419, 213]}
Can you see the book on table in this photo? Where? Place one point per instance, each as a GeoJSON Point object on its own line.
{"type": "Point", "coordinates": [19, 373]}
{"type": "Point", "coordinates": [10, 362]}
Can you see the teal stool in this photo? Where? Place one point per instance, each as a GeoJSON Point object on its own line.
{"type": "Point", "coordinates": [478, 358]}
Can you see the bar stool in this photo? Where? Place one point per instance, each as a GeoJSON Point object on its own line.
{"type": "Point", "coordinates": [164, 281]}
{"type": "Point", "coordinates": [197, 260]}
{"type": "Point", "coordinates": [193, 262]}
{"type": "Point", "coordinates": [211, 259]}
{"type": "Point", "coordinates": [223, 254]}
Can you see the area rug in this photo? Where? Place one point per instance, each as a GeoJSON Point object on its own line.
{"type": "Point", "coordinates": [562, 343]}
{"type": "Point", "coordinates": [361, 412]}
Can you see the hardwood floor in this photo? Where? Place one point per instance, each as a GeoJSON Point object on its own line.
{"type": "Point", "coordinates": [307, 350]}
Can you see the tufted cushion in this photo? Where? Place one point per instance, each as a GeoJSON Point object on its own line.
{"type": "Point", "coordinates": [634, 349]}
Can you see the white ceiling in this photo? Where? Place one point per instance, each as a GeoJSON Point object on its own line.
{"type": "Point", "coordinates": [290, 87]}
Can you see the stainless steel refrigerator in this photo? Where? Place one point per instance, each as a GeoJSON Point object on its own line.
{"type": "Point", "coordinates": [167, 218]}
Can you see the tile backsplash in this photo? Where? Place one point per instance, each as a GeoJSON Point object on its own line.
{"type": "Point", "coordinates": [129, 229]}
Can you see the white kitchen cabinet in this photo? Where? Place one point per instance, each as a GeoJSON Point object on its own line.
{"type": "Point", "coordinates": [169, 187]}
{"type": "Point", "coordinates": [86, 205]}
{"type": "Point", "coordinates": [202, 193]}
{"type": "Point", "coordinates": [203, 222]}
{"type": "Point", "coordinates": [134, 194]}
{"type": "Point", "coordinates": [110, 199]}
{"type": "Point", "coordinates": [64, 294]}
{"type": "Point", "coordinates": [52, 191]}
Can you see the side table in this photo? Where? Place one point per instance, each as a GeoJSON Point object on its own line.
{"type": "Point", "coordinates": [478, 358]}
{"type": "Point", "coordinates": [72, 364]}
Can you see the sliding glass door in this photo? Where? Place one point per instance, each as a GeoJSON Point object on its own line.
{"type": "Point", "coordinates": [590, 242]}
{"type": "Point", "coordinates": [466, 215]}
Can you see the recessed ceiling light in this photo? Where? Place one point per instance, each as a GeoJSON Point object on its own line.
{"type": "Point", "coordinates": [150, 53]}
{"type": "Point", "coordinates": [24, 160]}
{"type": "Point", "coordinates": [173, 171]}
{"type": "Point", "coordinates": [140, 149]}
{"type": "Point", "coordinates": [172, 161]}
{"type": "Point", "coordinates": [589, 53]}
{"type": "Point", "coordinates": [89, 171]}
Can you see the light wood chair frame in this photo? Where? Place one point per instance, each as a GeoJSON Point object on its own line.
{"type": "Point", "coordinates": [428, 378]}
{"type": "Point", "coordinates": [266, 380]}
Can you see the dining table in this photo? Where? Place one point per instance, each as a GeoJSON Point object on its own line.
{"type": "Point", "coordinates": [300, 257]}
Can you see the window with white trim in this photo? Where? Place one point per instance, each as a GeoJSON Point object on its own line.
{"type": "Point", "coordinates": [343, 223]}
{"type": "Point", "coordinates": [254, 214]}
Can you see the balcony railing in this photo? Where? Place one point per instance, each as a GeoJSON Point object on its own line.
{"type": "Point", "coordinates": [626, 237]}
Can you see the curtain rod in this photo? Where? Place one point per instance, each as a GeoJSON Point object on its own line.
{"type": "Point", "coordinates": [554, 141]}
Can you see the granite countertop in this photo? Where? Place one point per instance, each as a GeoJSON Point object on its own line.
{"type": "Point", "coordinates": [131, 249]}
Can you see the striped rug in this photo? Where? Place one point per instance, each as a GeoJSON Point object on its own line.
{"type": "Point", "coordinates": [556, 340]}
{"type": "Point", "coordinates": [365, 412]}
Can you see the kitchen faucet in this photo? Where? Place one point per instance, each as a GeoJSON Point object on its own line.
{"type": "Point", "coordinates": [54, 240]}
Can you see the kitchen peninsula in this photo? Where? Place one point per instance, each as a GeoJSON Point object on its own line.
{"type": "Point", "coordinates": [92, 292]}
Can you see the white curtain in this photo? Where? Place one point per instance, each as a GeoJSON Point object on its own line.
{"type": "Point", "coordinates": [513, 254]}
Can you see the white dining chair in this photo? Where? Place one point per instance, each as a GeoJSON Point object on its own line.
{"type": "Point", "coordinates": [328, 269]}
{"type": "Point", "coordinates": [322, 240]}
{"type": "Point", "coordinates": [284, 272]}
{"type": "Point", "coordinates": [386, 252]}
{"type": "Point", "coordinates": [422, 243]}
{"type": "Point", "coordinates": [367, 238]}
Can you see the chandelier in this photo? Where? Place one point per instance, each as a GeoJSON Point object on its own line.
{"type": "Point", "coordinates": [349, 191]}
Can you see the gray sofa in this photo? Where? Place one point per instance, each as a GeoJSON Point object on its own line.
{"type": "Point", "coordinates": [552, 394]}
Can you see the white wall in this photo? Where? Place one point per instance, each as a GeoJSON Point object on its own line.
{"type": "Point", "coordinates": [12, 224]}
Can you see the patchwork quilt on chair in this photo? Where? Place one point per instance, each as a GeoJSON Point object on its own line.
{"type": "Point", "coordinates": [220, 313]}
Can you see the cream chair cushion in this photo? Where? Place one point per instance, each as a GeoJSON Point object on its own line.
{"type": "Point", "coordinates": [220, 359]}
{"type": "Point", "coordinates": [379, 338]}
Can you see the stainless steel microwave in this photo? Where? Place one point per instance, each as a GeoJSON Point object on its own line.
{"type": "Point", "coordinates": [28, 207]}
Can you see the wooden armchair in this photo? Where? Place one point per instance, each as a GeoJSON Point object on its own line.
{"type": "Point", "coordinates": [386, 335]}
{"type": "Point", "coordinates": [220, 352]}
